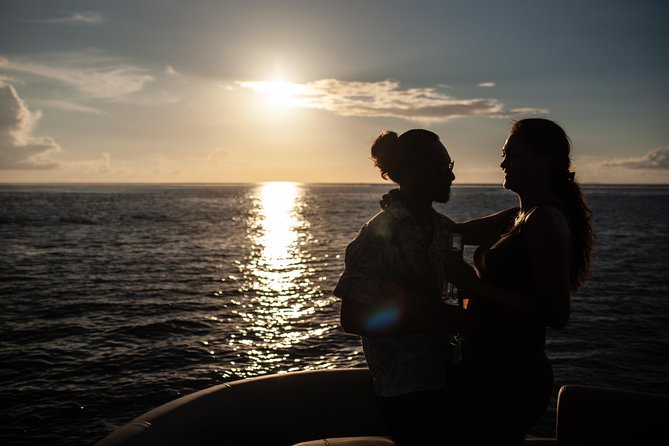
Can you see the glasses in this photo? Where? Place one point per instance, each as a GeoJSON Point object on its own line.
{"type": "Point", "coordinates": [438, 169]}
{"type": "Point", "coordinates": [447, 167]}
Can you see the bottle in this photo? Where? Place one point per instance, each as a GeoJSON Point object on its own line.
{"type": "Point", "coordinates": [451, 296]}
{"type": "Point", "coordinates": [455, 244]}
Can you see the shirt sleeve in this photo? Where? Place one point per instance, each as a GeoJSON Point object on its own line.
{"type": "Point", "coordinates": [364, 269]}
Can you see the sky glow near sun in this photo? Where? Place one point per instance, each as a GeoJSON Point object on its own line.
{"type": "Point", "coordinates": [116, 93]}
{"type": "Point", "coordinates": [280, 93]}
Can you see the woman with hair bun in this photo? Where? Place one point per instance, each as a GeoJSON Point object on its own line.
{"type": "Point", "coordinates": [391, 287]}
{"type": "Point", "coordinates": [529, 262]}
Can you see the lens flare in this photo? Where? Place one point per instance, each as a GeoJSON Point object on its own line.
{"type": "Point", "coordinates": [383, 318]}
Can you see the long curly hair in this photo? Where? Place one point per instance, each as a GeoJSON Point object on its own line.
{"type": "Point", "coordinates": [548, 138]}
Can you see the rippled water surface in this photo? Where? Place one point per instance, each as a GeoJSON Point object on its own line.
{"type": "Point", "coordinates": [115, 299]}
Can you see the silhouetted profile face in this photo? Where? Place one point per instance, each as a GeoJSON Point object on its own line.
{"type": "Point", "coordinates": [523, 167]}
{"type": "Point", "coordinates": [433, 175]}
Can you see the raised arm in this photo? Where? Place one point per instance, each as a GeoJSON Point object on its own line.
{"type": "Point", "coordinates": [479, 230]}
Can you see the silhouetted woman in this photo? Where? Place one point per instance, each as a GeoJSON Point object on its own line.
{"type": "Point", "coordinates": [529, 263]}
{"type": "Point", "coordinates": [391, 285]}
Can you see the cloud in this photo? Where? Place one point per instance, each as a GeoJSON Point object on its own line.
{"type": "Point", "coordinates": [68, 106]}
{"type": "Point", "coordinates": [111, 83]}
{"type": "Point", "coordinates": [487, 84]}
{"type": "Point", "coordinates": [101, 165]}
{"type": "Point", "coordinates": [19, 149]}
{"type": "Point", "coordinates": [655, 159]}
{"type": "Point", "coordinates": [5, 79]}
{"type": "Point", "coordinates": [85, 18]}
{"type": "Point", "coordinates": [170, 71]}
{"type": "Point", "coordinates": [382, 99]}
{"type": "Point", "coordinates": [219, 155]}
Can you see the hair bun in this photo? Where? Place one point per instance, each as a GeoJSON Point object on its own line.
{"type": "Point", "coordinates": [386, 153]}
{"type": "Point", "coordinates": [385, 143]}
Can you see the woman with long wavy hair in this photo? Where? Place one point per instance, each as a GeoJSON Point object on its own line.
{"type": "Point", "coordinates": [530, 261]}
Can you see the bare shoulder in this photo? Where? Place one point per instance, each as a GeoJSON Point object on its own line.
{"type": "Point", "coordinates": [546, 214]}
{"type": "Point", "coordinates": [545, 219]}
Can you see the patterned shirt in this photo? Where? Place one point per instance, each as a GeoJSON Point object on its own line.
{"type": "Point", "coordinates": [390, 265]}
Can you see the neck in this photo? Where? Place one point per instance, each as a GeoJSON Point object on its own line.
{"type": "Point", "coordinates": [419, 206]}
{"type": "Point", "coordinates": [534, 197]}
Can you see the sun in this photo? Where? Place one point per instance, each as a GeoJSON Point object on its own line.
{"type": "Point", "coordinates": [280, 93]}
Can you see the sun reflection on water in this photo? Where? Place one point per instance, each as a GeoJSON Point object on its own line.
{"type": "Point", "coordinates": [280, 299]}
{"type": "Point", "coordinates": [281, 227]}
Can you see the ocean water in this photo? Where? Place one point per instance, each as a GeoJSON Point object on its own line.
{"type": "Point", "coordinates": [115, 299]}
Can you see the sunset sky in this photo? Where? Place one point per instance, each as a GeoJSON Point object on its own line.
{"type": "Point", "coordinates": [252, 91]}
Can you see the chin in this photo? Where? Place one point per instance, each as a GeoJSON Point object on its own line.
{"type": "Point", "coordinates": [443, 197]}
{"type": "Point", "coordinates": [507, 184]}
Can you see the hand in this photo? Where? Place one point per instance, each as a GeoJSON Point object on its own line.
{"type": "Point", "coordinates": [459, 272]}
{"type": "Point", "coordinates": [454, 317]}
{"type": "Point", "coordinates": [388, 198]}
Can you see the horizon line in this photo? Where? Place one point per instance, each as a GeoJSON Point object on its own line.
{"type": "Point", "coordinates": [238, 183]}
